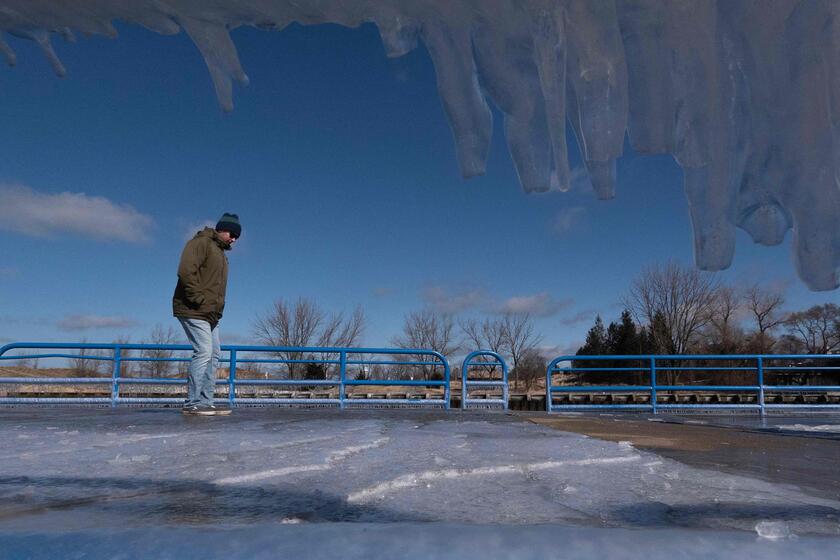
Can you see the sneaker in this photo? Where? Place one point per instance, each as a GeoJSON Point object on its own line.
{"type": "Point", "coordinates": [221, 410]}
{"type": "Point", "coordinates": [210, 410]}
{"type": "Point", "coordinates": [189, 409]}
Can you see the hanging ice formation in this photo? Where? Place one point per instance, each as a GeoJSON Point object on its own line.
{"type": "Point", "coordinates": [744, 93]}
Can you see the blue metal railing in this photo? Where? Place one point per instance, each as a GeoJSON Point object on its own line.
{"type": "Point", "coordinates": [341, 357]}
{"type": "Point", "coordinates": [466, 383]}
{"type": "Point", "coordinates": [655, 367]}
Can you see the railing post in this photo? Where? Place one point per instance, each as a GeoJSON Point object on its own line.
{"type": "Point", "coordinates": [342, 378]}
{"type": "Point", "coordinates": [505, 395]}
{"type": "Point", "coordinates": [447, 374]}
{"type": "Point", "coordinates": [464, 369]}
{"type": "Point", "coordinates": [760, 364]}
{"type": "Point", "coordinates": [232, 379]}
{"type": "Point", "coordinates": [547, 385]}
{"type": "Point", "coordinates": [115, 386]}
{"type": "Point", "coordinates": [653, 383]}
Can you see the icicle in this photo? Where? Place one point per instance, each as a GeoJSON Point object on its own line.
{"type": "Point", "coordinates": [8, 53]}
{"type": "Point", "coordinates": [468, 113]}
{"type": "Point", "coordinates": [67, 35]}
{"type": "Point", "coordinates": [159, 23]}
{"type": "Point", "coordinates": [598, 74]}
{"type": "Point", "coordinates": [651, 110]}
{"type": "Point", "coordinates": [511, 80]}
{"type": "Point", "coordinates": [550, 58]}
{"type": "Point", "coordinates": [399, 37]}
{"type": "Point", "coordinates": [219, 52]}
{"type": "Point", "coordinates": [43, 39]}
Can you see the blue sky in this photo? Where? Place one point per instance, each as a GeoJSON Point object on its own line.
{"type": "Point", "coordinates": [342, 168]}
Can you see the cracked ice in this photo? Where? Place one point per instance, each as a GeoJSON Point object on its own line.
{"type": "Point", "coordinates": [744, 94]}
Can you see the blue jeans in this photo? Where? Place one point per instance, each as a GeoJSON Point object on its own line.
{"type": "Point", "coordinates": [205, 358]}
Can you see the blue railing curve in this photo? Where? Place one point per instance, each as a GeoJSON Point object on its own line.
{"type": "Point", "coordinates": [466, 383]}
{"type": "Point", "coordinates": [343, 357]}
{"type": "Point", "coordinates": [654, 366]}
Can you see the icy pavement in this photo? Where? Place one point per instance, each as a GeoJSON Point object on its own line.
{"type": "Point", "coordinates": [106, 479]}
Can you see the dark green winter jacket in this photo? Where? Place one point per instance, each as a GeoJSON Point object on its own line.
{"type": "Point", "coordinates": [202, 278]}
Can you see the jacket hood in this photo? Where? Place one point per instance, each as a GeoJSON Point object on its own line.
{"type": "Point", "coordinates": [213, 234]}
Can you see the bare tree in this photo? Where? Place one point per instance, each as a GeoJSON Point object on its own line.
{"type": "Point", "coordinates": [487, 335]}
{"type": "Point", "coordinates": [429, 331]}
{"type": "Point", "coordinates": [160, 366]}
{"type": "Point", "coordinates": [531, 367]}
{"type": "Point", "coordinates": [126, 366]}
{"type": "Point", "coordinates": [85, 362]}
{"type": "Point", "coordinates": [339, 331]}
{"type": "Point", "coordinates": [765, 306]}
{"type": "Point", "coordinates": [817, 328]}
{"type": "Point", "coordinates": [519, 336]}
{"type": "Point", "coordinates": [304, 325]}
{"type": "Point", "coordinates": [726, 335]}
{"type": "Point", "coordinates": [28, 363]}
{"type": "Point", "coordinates": [676, 302]}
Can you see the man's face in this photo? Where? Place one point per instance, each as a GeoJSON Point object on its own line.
{"type": "Point", "coordinates": [226, 237]}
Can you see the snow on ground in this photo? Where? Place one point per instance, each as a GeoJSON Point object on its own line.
{"type": "Point", "coordinates": [73, 476]}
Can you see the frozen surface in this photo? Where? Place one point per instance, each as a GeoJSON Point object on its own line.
{"type": "Point", "coordinates": [374, 477]}
{"type": "Point", "coordinates": [825, 424]}
{"type": "Point", "coordinates": [832, 428]}
{"type": "Point", "coordinates": [744, 93]}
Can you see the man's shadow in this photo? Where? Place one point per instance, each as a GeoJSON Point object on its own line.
{"type": "Point", "coordinates": [142, 500]}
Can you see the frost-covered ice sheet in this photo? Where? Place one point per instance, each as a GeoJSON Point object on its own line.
{"type": "Point", "coordinates": [826, 428]}
{"type": "Point", "coordinates": [745, 94]}
{"type": "Point", "coordinates": [822, 423]}
{"type": "Point", "coordinates": [85, 476]}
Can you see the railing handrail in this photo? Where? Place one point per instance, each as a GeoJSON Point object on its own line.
{"type": "Point", "coordinates": [654, 366]}
{"type": "Point", "coordinates": [583, 357]}
{"type": "Point", "coordinates": [232, 349]}
{"type": "Point", "coordinates": [224, 348]}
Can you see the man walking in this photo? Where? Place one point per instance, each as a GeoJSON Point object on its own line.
{"type": "Point", "coordinates": [198, 304]}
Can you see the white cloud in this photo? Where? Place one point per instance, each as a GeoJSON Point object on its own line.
{"type": "Point", "coordinates": [586, 315]}
{"type": "Point", "coordinates": [538, 305]}
{"type": "Point", "coordinates": [568, 218]}
{"type": "Point", "coordinates": [442, 300]}
{"type": "Point", "coordinates": [29, 212]}
{"type": "Point", "coordinates": [86, 322]}
{"type": "Point", "coordinates": [551, 352]}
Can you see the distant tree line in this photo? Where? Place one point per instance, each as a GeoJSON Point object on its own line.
{"type": "Point", "coordinates": [668, 309]}
{"type": "Point", "coordinates": [676, 311]}
{"type": "Point", "coordinates": [303, 323]}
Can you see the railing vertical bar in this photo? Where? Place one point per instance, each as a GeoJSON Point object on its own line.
{"type": "Point", "coordinates": [232, 379]}
{"type": "Point", "coordinates": [464, 391]}
{"type": "Point", "coordinates": [343, 378]}
{"type": "Point", "coordinates": [653, 383]}
{"type": "Point", "coordinates": [548, 371]}
{"type": "Point", "coordinates": [446, 387]}
{"type": "Point", "coordinates": [760, 364]}
{"type": "Point", "coordinates": [115, 387]}
{"type": "Point", "coordinates": [505, 392]}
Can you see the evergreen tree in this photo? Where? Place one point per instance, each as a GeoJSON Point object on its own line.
{"type": "Point", "coordinates": [595, 345]}
{"type": "Point", "coordinates": [623, 338]}
{"type": "Point", "coordinates": [596, 340]}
